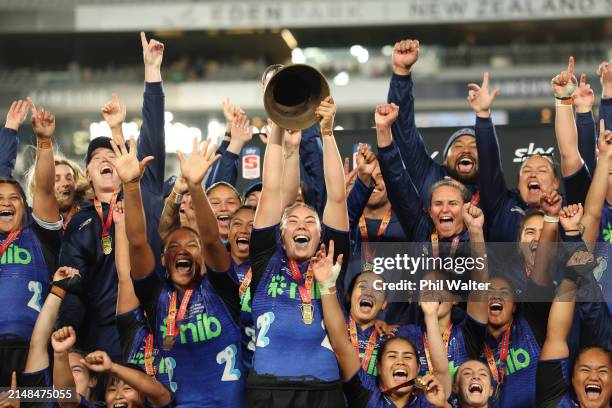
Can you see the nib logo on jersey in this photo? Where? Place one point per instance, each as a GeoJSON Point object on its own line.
{"type": "Point", "coordinates": [523, 152]}
{"type": "Point", "coordinates": [203, 328]}
{"type": "Point", "coordinates": [16, 255]}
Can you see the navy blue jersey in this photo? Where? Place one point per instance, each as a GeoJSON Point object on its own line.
{"type": "Point", "coordinates": [37, 379]}
{"type": "Point", "coordinates": [25, 270]}
{"type": "Point", "coordinates": [281, 335]}
{"type": "Point", "coordinates": [554, 384]}
{"type": "Point", "coordinates": [603, 249]}
{"type": "Point", "coordinates": [465, 342]}
{"type": "Point", "coordinates": [206, 354]}
{"type": "Point", "coordinates": [363, 337]}
{"type": "Point", "coordinates": [363, 391]}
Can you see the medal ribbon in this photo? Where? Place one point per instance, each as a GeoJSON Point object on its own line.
{"type": "Point", "coordinates": [245, 283]}
{"type": "Point", "coordinates": [109, 217]}
{"type": "Point", "coordinates": [11, 237]}
{"type": "Point", "coordinates": [148, 356]}
{"type": "Point", "coordinates": [475, 198]}
{"type": "Point", "coordinates": [445, 341]}
{"type": "Point", "coordinates": [503, 356]}
{"type": "Point", "coordinates": [305, 290]}
{"type": "Point", "coordinates": [367, 355]}
{"type": "Point", "coordinates": [69, 215]}
{"type": "Point", "coordinates": [173, 317]}
{"type": "Point", "coordinates": [363, 230]}
{"type": "Point", "coordinates": [435, 245]}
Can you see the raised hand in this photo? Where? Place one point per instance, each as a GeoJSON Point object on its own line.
{"type": "Point", "coordinates": [564, 84]}
{"type": "Point", "coordinates": [8, 401]}
{"type": "Point", "coordinates": [63, 339]}
{"type": "Point", "coordinates": [126, 163]}
{"type": "Point", "coordinates": [17, 114]}
{"type": "Point", "coordinates": [98, 361]}
{"type": "Point", "coordinates": [366, 162]}
{"type": "Point", "coordinates": [580, 258]}
{"type": "Point", "coordinates": [551, 203]}
{"type": "Point", "coordinates": [385, 115]}
{"type": "Point", "coordinates": [605, 77]}
{"type": "Point", "coordinates": [152, 52]}
{"type": "Point", "coordinates": [479, 97]}
{"type": "Point", "coordinates": [65, 272]}
{"type": "Point", "coordinates": [583, 95]}
{"type": "Point", "coordinates": [434, 391]}
{"type": "Point", "coordinates": [605, 138]}
{"type": "Point", "coordinates": [570, 216]}
{"type": "Point", "coordinates": [119, 214]}
{"type": "Point", "coordinates": [384, 329]}
{"type": "Point", "coordinates": [114, 112]}
{"type": "Point", "coordinates": [405, 55]}
{"type": "Point", "coordinates": [325, 271]}
{"type": "Point", "coordinates": [430, 307]}
{"type": "Point", "coordinates": [242, 131]}
{"type": "Point", "coordinates": [198, 164]}
{"type": "Point", "coordinates": [43, 123]}
{"type": "Point", "coordinates": [349, 175]}
{"type": "Point", "coordinates": [326, 112]}
{"type": "Point", "coordinates": [473, 217]}
{"type": "Point", "coordinates": [180, 185]}
{"type": "Point", "coordinates": [229, 110]}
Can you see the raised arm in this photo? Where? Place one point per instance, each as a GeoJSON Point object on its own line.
{"type": "Point", "coordinates": [291, 167]}
{"type": "Point", "coordinates": [130, 170]}
{"type": "Point", "coordinates": [362, 190]}
{"type": "Point", "coordinates": [45, 206]}
{"type": "Point", "coordinates": [170, 216]}
{"type": "Point", "coordinates": [407, 136]}
{"type": "Point", "coordinates": [147, 386]}
{"type": "Point", "coordinates": [563, 86]}
{"type": "Point", "coordinates": [605, 77]}
{"type": "Point", "coordinates": [38, 354]}
{"type": "Point", "coordinates": [63, 341]}
{"type": "Point", "coordinates": [547, 247]}
{"type": "Point", "coordinates": [599, 187]}
{"type": "Point", "coordinates": [326, 274]}
{"type": "Point", "coordinates": [584, 98]}
{"type": "Point", "coordinates": [126, 296]}
{"type": "Point", "coordinates": [269, 210]}
{"type": "Point", "coordinates": [437, 351]}
{"type": "Point", "coordinates": [335, 214]}
{"type": "Point", "coordinates": [151, 141]}
{"type": "Point", "coordinates": [8, 136]}
{"type": "Point", "coordinates": [194, 170]}
{"type": "Point", "coordinates": [312, 179]}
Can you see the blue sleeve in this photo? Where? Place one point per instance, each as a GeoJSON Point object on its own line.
{"type": "Point", "coordinates": [403, 195]}
{"type": "Point", "coordinates": [605, 112]}
{"type": "Point", "coordinates": [577, 186]}
{"type": "Point", "coordinates": [356, 201]}
{"type": "Point", "coordinates": [8, 153]}
{"type": "Point", "coordinates": [587, 139]}
{"type": "Point", "coordinates": [151, 141]}
{"type": "Point", "coordinates": [227, 169]}
{"type": "Point", "coordinates": [407, 137]}
{"type": "Point", "coordinates": [212, 174]}
{"type": "Point", "coordinates": [492, 187]}
{"type": "Point", "coordinates": [311, 168]}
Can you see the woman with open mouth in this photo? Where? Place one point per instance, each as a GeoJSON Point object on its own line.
{"type": "Point", "coordinates": [191, 313]}
{"type": "Point", "coordinates": [398, 365]}
{"type": "Point", "coordinates": [588, 383]}
{"type": "Point", "coordinates": [293, 364]}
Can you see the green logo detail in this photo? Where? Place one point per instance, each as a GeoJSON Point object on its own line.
{"type": "Point", "coordinates": [205, 328]}
{"type": "Point", "coordinates": [607, 233]}
{"type": "Point", "coordinates": [277, 286]}
{"type": "Point", "coordinates": [517, 360]}
{"type": "Point", "coordinates": [245, 302]}
{"type": "Point", "coordinates": [16, 255]}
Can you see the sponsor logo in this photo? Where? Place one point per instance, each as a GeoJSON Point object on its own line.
{"type": "Point", "coordinates": [85, 223]}
{"type": "Point", "coordinates": [251, 159]}
{"type": "Point", "coordinates": [16, 256]}
{"type": "Point", "coordinates": [519, 154]}
{"type": "Point", "coordinates": [204, 328]}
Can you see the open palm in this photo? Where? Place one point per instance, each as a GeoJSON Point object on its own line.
{"type": "Point", "coordinates": [195, 168]}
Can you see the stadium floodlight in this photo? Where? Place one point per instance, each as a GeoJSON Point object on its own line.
{"type": "Point", "coordinates": [342, 79]}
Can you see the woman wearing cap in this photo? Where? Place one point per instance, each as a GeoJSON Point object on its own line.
{"type": "Point", "coordinates": [285, 303]}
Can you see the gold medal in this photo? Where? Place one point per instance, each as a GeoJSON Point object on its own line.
{"type": "Point", "coordinates": [168, 342]}
{"type": "Point", "coordinates": [307, 312]}
{"type": "Point", "coordinates": [107, 245]}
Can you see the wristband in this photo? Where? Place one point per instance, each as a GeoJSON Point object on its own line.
{"type": "Point", "coordinates": [131, 185]}
{"type": "Point", "coordinates": [564, 101]}
{"type": "Point", "coordinates": [44, 144]}
{"type": "Point", "coordinates": [327, 133]}
{"type": "Point", "coordinates": [57, 291]}
{"type": "Point", "coordinates": [178, 198]}
{"type": "Point", "coordinates": [328, 287]}
{"type": "Point", "coordinates": [228, 134]}
{"type": "Point", "coordinates": [548, 218]}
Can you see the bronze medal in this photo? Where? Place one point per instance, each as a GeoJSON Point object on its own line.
{"type": "Point", "coordinates": [168, 342]}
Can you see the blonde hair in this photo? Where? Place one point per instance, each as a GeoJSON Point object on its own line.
{"type": "Point", "coordinates": [450, 182]}
{"type": "Point", "coordinates": [297, 204]}
{"type": "Point", "coordinates": [83, 188]}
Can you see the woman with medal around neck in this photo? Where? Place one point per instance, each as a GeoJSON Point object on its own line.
{"type": "Point", "coordinates": [294, 364]}
{"type": "Point", "coordinates": [194, 315]}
